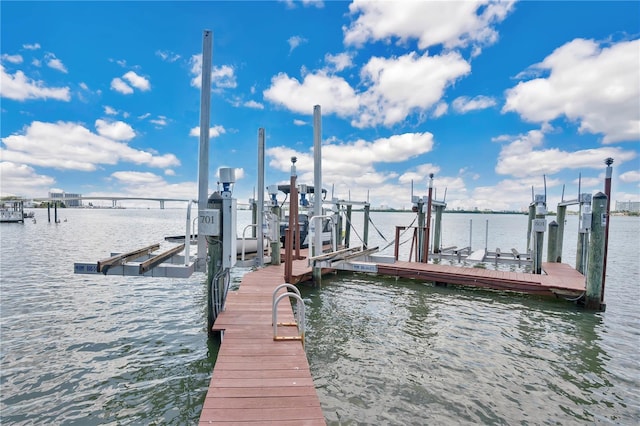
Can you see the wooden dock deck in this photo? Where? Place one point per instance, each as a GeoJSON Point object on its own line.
{"type": "Point", "coordinates": [257, 380]}
{"type": "Point", "coordinates": [560, 279]}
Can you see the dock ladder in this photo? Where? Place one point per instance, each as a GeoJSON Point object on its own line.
{"type": "Point", "coordinates": [299, 319]}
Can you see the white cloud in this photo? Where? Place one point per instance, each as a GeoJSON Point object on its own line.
{"type": "Point", "coordinates": [20, 87]}
{"type": "Point", "coordinates": [116, 130]}
{"type": "Point", "coordinates": [291, 4]}
{"type": "Point", "coordinates": [295, 41]}
{"type": "Point", "coordinates": [253, 104]}
{"type": "Point", "coordinates": [119, 85]}
{"type": "Point", "coordinates": [36, 63]}
{"type": "Point", "coordinates": [339, 62]}
{"type": "Point", "coordinates": [451, 24]}
{"type": "Point", "coordinates": [440, 109]}
{"type": "Point", "coordinates": [331, 92]}
{"type": "Point", "coordinates": [402, 85]}
{"type": "Point", "coordinates": [14, 59]}
{"type": "Point", "coordinates": [110, 111]}
{"type": "Point", "coordinates": [351, 166]}
{"type": "Point", "coordinates": [463, 104]}
{"type": "Point", "coordinates": [419, 174]}
{"type": "Point", "coordinates": [167, 56]}
{"type": "Point", "coordinates": [214, 131]}
{"type": "Point", "coordinates": [394, 88]}
{"type": "Point", "coordinates": [520, 158]}
{"type": "Point", "coordinates": [160, 121]}
{"type": "Point", "coordinates": [55, 63]}
{"type": "Point", "coordinates": [71, 146]}
{"type": "Point", "coordinates": [603, 100]}
{"type": "Point", "coordinates": [83, 86]}
{"type": "Point", "coordinates": [221, 77]}
{"type": "Point", "coordinates": [143, 116]}
{"type": "Point", "coordinates": [137, 81]}
{"type": "Point", "coordinates": [21, 180]}
{"type": "Point", "coordinates": [630, 176]}
{"type": "Point", "coordinates": [34, 46]}
{"type": "Point", "coordinates": [298, 122]}
{"type": "Point", "coordinates": [146, 184]}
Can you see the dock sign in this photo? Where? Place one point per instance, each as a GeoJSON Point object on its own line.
{"type": "Point", "coordinates": [85, 268]}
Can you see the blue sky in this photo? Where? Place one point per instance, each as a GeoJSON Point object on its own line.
{"type": "Point", "coordinates": [102, 98]}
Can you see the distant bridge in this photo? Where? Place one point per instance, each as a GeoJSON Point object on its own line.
{"type": "Point", "coordinates": [114, 200]}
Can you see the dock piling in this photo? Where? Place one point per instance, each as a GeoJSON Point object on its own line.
{"type": "Point", "coordinates": [552, 244]}
{"type": "Point", "coordinates": [596, 255]}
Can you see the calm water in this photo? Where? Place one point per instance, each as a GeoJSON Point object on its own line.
{"type": "Point", "coordinates": [85, 349]}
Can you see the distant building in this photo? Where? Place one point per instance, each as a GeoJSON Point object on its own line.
{"type": "Point", "coordinates": [628, 206]}
{"type": "Point", "coordinates": [67, 199]}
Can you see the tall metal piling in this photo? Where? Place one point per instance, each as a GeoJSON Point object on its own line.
{"type": "Point", "coordinates": [596, 255]}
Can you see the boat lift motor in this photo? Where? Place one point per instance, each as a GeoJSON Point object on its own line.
{"type": "Point", "coordinates": [303, 195]}
{"type": "Point", "coordinates": [273, 193]}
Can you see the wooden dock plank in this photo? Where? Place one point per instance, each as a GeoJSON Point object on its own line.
{"type": "Point", "coordinates": [257, 380]}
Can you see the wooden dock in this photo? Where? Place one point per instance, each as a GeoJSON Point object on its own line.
{"type": "Point", "coordinates": [257, 380]}
{"type": "Point", "coordinates": [559, 279]}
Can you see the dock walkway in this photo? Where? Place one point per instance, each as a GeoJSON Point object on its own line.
{"type": "Point", "coordinates": [257, 380]}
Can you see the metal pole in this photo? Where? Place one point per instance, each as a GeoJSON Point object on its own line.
{"type": "Point", "coordinates": [425, 252]}
{"type": "Point", "coordinates": [260, 206]}
{"type": "Point", "coordinates": [607, 192]}
{"type": "Point", "coordinates": [317, 177]}
{"type": "Point", "coordinates": [203, 157]}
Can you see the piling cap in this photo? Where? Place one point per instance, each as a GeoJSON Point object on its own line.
{"type": "Point", "coordinates": [600, 195]}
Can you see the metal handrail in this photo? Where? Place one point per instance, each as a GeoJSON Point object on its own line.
{"type": "Point", "coordinates": [299, 313]}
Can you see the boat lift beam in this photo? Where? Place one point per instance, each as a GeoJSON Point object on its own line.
{"type": "Point", "coordinates": [103, 266]}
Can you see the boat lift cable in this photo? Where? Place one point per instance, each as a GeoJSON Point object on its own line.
{"type": "Point", "coordinates": [403, 232]}
{"type": "Point", "coordinates": [376, 228]}
{"type": "Point", "coordinates": [354, 229]}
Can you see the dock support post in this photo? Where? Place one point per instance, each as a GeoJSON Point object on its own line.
{"type": "Point", "coordinates": [607, 192]}
{"type": "Point", "coordinates": [260, 202]}
{"type": "Point", "coordinates": [317, 179]}
{"type": "Point", "coordinates": [55, 212]}
{"type": "Point", "coordinates": [49, 211]}
{"type": "Point", "coordinates": [275, 243]}
{"type": "Point", "coordinates": [595, 265]}
{"type": "Point", "coordinates": [365, 232]}
{"type": "Point", "coordinates": [552, 244]}
{"type": "Point", "coordinates": [203, 153]}
{"type": "Point", "coordinates": [425, 253]}
{"type": "Point", "coordinates": [532, 215]}
{"type": "Point", "coordinates": [560, 216]}
{"type": "Point", "coordinates": [421, 230]}
{"type": "Point", "coordinates": [437, 232]}
{"type": "Point", "coordinates": [583, 232]}
{"type": "Point", "coordinates": [347, 229]}
{"type": "Point", "coordinates": [288, 255]}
